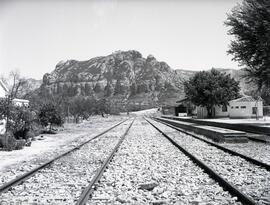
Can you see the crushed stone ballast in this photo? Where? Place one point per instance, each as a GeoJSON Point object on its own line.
{"type": "Point", "coordinates": [249, 182]}
{"type": "Point", "coordinates": [62, 178]}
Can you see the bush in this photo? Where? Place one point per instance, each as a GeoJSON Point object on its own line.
{"type": "Point", "coordinates": [9, 143]}
{"type": "Point", "coordinates": [21, 121]}
{"type": "Point", "coordinates": [19, 118]}
{"type": "Point", "coordinates": [49, 115]}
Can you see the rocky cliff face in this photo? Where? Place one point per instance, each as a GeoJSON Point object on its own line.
{"type": "Point", "coordinates": [123, 76]}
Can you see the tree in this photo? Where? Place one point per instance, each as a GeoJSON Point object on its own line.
{"type": "Point", "coordinates": [15, 83]}
{"type": "Point", "coordinates": [103, 106]}
{"type": "Point", "coordinates": [50, 115]}
{"type": "Point", "coordinates": [210, 88]}
{"type": "Point", "coordinates": [78, 107]}
{"type": "Point", "coordinates": [250, 25]}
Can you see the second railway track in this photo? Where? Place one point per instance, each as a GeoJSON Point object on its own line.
{"type": "Point", "coordinates": [63, 179]}
{"type": "Point", "coordinates": [251, 180]}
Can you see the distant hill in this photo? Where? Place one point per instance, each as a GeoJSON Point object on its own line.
{"type": "Point", "coordinates": [124, 77]}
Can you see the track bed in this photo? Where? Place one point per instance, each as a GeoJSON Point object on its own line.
{"type": "Point", "coordinates": [148, 169]}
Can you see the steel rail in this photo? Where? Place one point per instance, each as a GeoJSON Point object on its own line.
{"type": "Point", "coordinates": [90, 188]}
{"type": "Point", "coordinates": [232, 152]}
{"type": "Point", "coordinates": [220, 180]}
{"type": "Point", "coordinates": [20, 179]}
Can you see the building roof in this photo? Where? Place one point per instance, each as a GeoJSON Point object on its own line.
{"type": "Point", "coordinates": [246, 99]}
{"type": "Point", "coordinates": [3, 86]}
{"type": "Point", "coordinates": [182, 100]}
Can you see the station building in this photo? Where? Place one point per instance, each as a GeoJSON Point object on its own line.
{"type": "Point", "coordinates": [244, 107]}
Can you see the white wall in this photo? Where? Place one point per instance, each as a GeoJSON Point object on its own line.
{"type": "Point", "coordinates": [20, 102]}
{"type": "Point", "coordinates": [220, 113]}
{"type": "Point", "coordinates": [2, 92]}
{"type": "Point", "coordinates": [2, 126]}
{"type": "Point", "coordinates": [244, 109]}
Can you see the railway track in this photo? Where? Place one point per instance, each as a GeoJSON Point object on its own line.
{"type": "Point", "coordinates": [90, 188]}
{"type": "Point", "coordinates": [148, 169]}
{"type": "Point", "coordinates": [242, 178]}
{"type": "Point", "coordinates": [61, 179]}
{"type": "Point", "coordinates": [223, 148]}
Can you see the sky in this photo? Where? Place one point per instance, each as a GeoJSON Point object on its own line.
{"type": "Point", "coordinates": [186, 34]}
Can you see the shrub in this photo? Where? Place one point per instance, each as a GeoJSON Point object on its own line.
{"type": "Point", "coordinates": [21, 121]}
{"type": "Point", "coordinates": [50, 115]}
{"type": "Point", "coordinates": [9, 142]}
{"type": "Point", "coordinates": [19, 118]}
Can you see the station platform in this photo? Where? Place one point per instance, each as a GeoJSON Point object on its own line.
{"type": "Point", "coordinates": [256, 130]}
{"type": "Point", "coordinates": [217, 134]}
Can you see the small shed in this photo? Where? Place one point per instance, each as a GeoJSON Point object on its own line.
{"type": "Point", "coordinates": [168, 110]}
{"type": "Point", "coordinates": [179, 108]}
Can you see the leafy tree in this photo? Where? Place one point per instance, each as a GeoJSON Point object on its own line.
{"type": "Point", "coordinates": [21, 122]}
{"type": "Point", "coordinates": [249, 23]}
{"type": "Point", "coordinates": [78, 107]}
{"type": "Point", "coordinates": [210, 88]}
{"type": "Point", "coordinates": [50, 115]}
{"type": "Point", "coordinates": [103, 106]}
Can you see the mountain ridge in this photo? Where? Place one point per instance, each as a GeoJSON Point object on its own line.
{"type": "Point", "coordinates": [123, 77]}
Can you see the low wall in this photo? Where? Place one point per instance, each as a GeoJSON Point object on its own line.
{"type": "Point", "coordinates": [208, 131]}
{"type": "Point", "coordinates": [239, 126]}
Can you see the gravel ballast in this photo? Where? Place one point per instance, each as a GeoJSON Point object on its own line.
{"type": "Point", "coordinates": [64, 180]}
{"type": "Point", "coordinates": [256, 150]}
{"type": "Point", "coordinates": [251, 179]}
{"type": "Point", "coordinates": [148, 169]}
{"type": "Point", "coordinates": [46, 147]}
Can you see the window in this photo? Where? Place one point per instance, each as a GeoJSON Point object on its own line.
{"type": "Point", "coordinates": [224, 108]}
{"type": "Point", "coordinates": [236, 107]}
{"type": "Point", "coordinates": [243, 107]}
{"type": "Point", "coordinates": [254, 110]}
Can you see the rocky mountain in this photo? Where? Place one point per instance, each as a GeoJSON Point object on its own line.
{"type": "Point", "coordinates": [29, 86]}
{"type": "Point", "coordinates": [125, 77]}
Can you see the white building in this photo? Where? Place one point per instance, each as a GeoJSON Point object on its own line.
{"type": "Point", "coordinates": [20, 102]}
{"type": "Point", "coordinates": [3, 90]}
{"type": "Point", "coordinates": [244, 107]}
{"type": "Point", "coordinates": [3, 94]}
